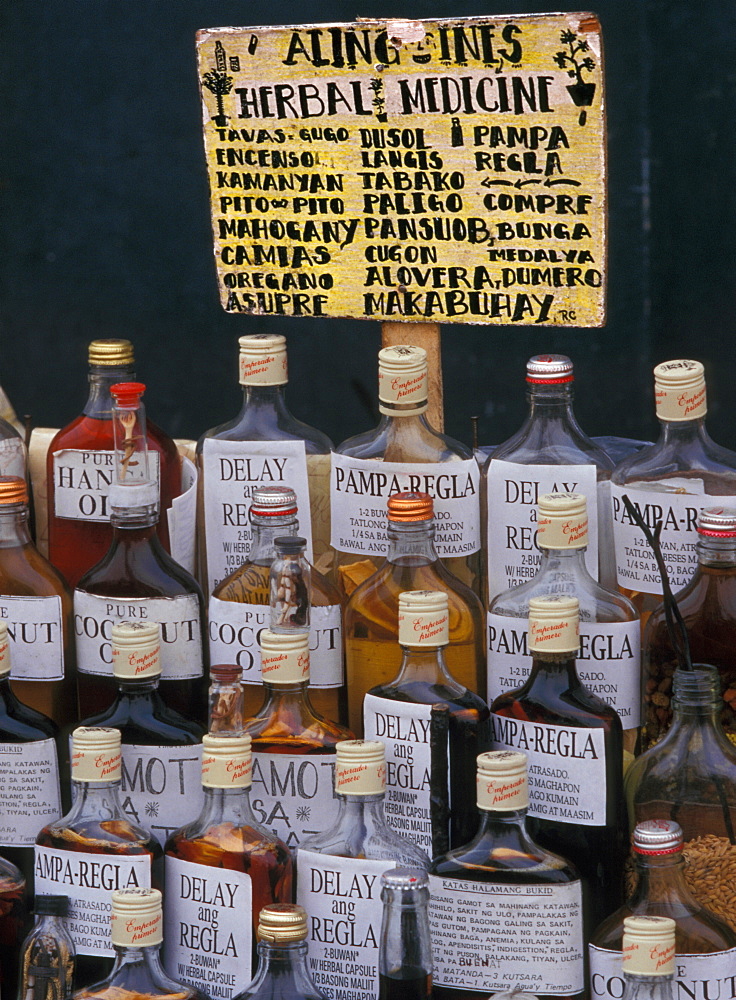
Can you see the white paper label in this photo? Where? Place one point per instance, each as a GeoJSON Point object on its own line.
{"type": "Point", "coordinates": [635, 562]}
{"type": "Point", "coordinates": [342, 897]}
{"type": "Point", "coordinates": [507, 937]}
{"type": "Point", "coordinates": [293, 795]}
{"type": "Point", "coordinates": [609, 662]}
{"type": "Point", "coordinates": [161, 787]}
{"type": "Point", "coordinates": [181, 636]}
{"type": "Point", "coordinates": [231, 471]}
{"type": "Point", "coordinates": [13, 461]}
{"type": "Point", "coordinates": [698, 977]}
{"type": "Point", "coordinates": [82, 480]}
{"type": "Point", "coordinates": [513, 495]}
{"type": "Point", "coordinates": [208, 927]}
{"type": "Point", "coordinates": [359, 492]}
{"type": "Point", "coordinates": [29, 791]}
{"type": "Point", "coordinates": [89, 881]}
{"type": "Point", "coordinates": [36, 637]}
{"type": "Point", "coordinates": [182, 516]}
{"type": "Point", "coordinates": [567, 768]}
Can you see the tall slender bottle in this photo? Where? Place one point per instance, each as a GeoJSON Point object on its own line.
{"type": "Point", "coordinates": [405, 950]}
{"type": "Point", "coordinates": [403, 453]}
{"type": "Point", "coordinates": [47, 955]}
{"type": "Point", "coordinates": [263, 446]}
{"type": "Point", "coordinates": [549, 453]}
{"type": "Point", "coordinates": [648, 959]}
{"type": "Point", "coordinates": [12, 923]}
{"type": "Point", "coordinates": [80, 468]}
{"type": "Point", "coordinates": [138, 581]}
{"type": "Point", "coordinates": [609, 661]}
{"type": "Point", "coordinates": [226, 715]}
{"type": "Point", "coordinates": [372, 652]}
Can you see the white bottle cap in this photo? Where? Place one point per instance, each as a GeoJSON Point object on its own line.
{"type": "Point", "coordinates": [360, 767]}
{"type": "Point", "coordinates": [402, 380]}
{"type": "Point", "coordinates": [501, 781]}
{"type": "Point", "coordinates": [423, 619]}
{"type": "Point", "coordinates": [226, 761]}
{"type": "Point", "coordinates": [562, 521]}
{"type": "Point", "coordinates": [4, 650]}
{"type": "Point", "coordinates": [649, 946]}
{"type": "Point", "coordinates": [137, 918]}
{"type": "Point", "coordinates": [96, 754]}
{"type": "Point", "coordinates": [284, 657]}
{"type": "Point", "coordinates": [136, 650]}
{"type": "Point", "coordinates": [553, 624]}
{"type": "Point", "coordinates": [263, 359]}
{"type": "Point", "coordinates": [679, 390]}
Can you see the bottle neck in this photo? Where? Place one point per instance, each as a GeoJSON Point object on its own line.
{"type": "Point", "coordinates": [570, 561]}
{"type": "Point", "coordinates": [285, 962]}
{"type": "Point", "coordinates": [138, 688]}
{"type": "Point", "coordinates": [361, 810]}
{"type": "Point", "coordinates": [263, 549]}
{"type": "Point", "coordinates": [558, 670]}
{"type": "Point", "coordinates": [99, 402]}
{"type": "Point", "coordinates": [14, 526]}
{"type": "Point", "coordinates": [551, 402]}
{"type": "Point", "coordinates": [95, 801]}
{"type": "Point", "coordinates": [505, 830]}
{"type": "Point", "coordinates": [684, 433]}
{"type": "Point", "coordinates": [661, 879]}
{"type": "Point", "coordinates": [268, 400]}
{"type": "Point", "coordinates": [405, 945]}
{"type": "Point", "coordinates": [718, 553]}
{"type": "Point", "coordinates": [140, 970]}
{"type": "Point", "coordinates": [134, 523]}
{"type": "Point", "coordinates": [411, 543]}
{"type": "Point", "coordinates": [425, 666]}
{"type": "Point", "coordinates": [227, 805]}
{"type": "Point", "coordinates": [647, 987]}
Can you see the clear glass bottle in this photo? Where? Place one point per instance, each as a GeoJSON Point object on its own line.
{"type": "Point", "coordinates": [263, 445]}
{"type": "Point", "coordinates": [671, 481]}
{"type": "Point", "coordinates": [236, 865]}
{"type": "Point", "coordinates": [357, 849]}
{"type": "Point", "coordinates": [80, 468]}
{"type": "Point", "coordinates": [289, 585]}
{"type": "Point", "coordinates": [403, 453]}
{"type": "Point", "coordinates": [648, 960]}
{"type": "Point", "coordinates": [549, 453]}
{"type": "Point", "coordinates": [575, 747]}
{"type": "Point", "coordinates": [47, 956]}
{"type": "Point", "coordinates": [12, 927]}
{"type": "Point", "coordinates": [282, 972]}
{"type": "Point", "coordinates": [95, 848]}
{"type": "Point", "coordinates": [138, 580]}
{"type": "Point", "coordinates": [13, 452]}
{"type": "Point", "coordinates": [234, 630]}
{"type": "Point", "coordinates": [518, 931]}
{"type": "Point", "coordinates": [405, 949]}
{"type": "Point", "coordinates": [690, 777]}
{"type": "Point", "coordinates": [609, 661]}
{"type": "Point", "coordinates": [433, 729]}
{"type": "Point", "coordinates": [226, 703]}
{"type": "Point", "coordinates": [372, 652]}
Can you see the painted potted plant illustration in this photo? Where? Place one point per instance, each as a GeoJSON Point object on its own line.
{"type": "Point", "coordinates": [571, 60]}
{"type": "Point", "coordinates": [220, 84]}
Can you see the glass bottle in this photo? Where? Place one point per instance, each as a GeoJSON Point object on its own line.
{"type": "Point", "coordinates": [405, 948]}
{"type": "Point", "coordinates": [549, 453]}
{"type": "Point", "coordinates": [137, 580]}
{"type": "Point", "coordinates": [234, 630]}
{"type": "Point", "coordinates": [705, 946]}
{"type": "Point", "coordinates": [574, 744]}
{"type": "Point", "coordinates": [162, 751]}
{"type": "Point", "coordinates": [293, 747]}
{"type": "Point", "coordinates": [357, 849]}
{"type": "Point", "coordinates": [47, 956]}
{"type": "Point", "coordinates": [609, 661]}
{"type": "Point", "coordinates": [671, 481]}
{"type": "Point", "coordinates": [13, 452]}
{"type": "Point", "coordinates": [221, 870]}
{"type": "Point", "coordinates": [708, 608]}
{"type": "Point", "coordinates": [37, 605]}
{"type": "Point", "coordinates": [226, 704]}
{"type": "Point", "coordinates": [289, 585]}
{"type": "Point", "coordinates": [93, 849]}
{"type": "Point", "coordinates": [80, 468]}
{"type": "Point", "coordinates": [263, 445]}
{"type": "Point", "coordinates": [433, 729]}
{"type": "Point", "coordinates": [403, 453]}
{"type": "Point", "coordinates": [12, 926]}
{"type": "Point", "coordinates": [372, 652]}
{"type": "Point", "coordinates": [136, 934]}
{"type": "Point", "coordinates": [690, 777]}
{"type": "Point", "coordinates": [648, 959]}
{"type": "Point", "coordinates": [520, 930]}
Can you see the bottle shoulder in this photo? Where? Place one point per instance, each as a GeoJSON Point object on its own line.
{"type": "Point", "coordinates": [293, 730]}
{"type": "Point", "coordinates": [409, 439]}
{"type": "Point", "coordinates": [148, 722]}
{"type": "Point", "coordinates": [19, 722]}
{"type": "Point", "coordinates": [597, 603]}
{"type": "Point", "coordinates": [488, 860]}
{"type": "Point", "coordinates": [566, 705]}
{"type": "Point", "coordinates": [259, 425]}
{"type": "Point", "coordinates": [461, 703]}
{"type": "Point", "coordinates": [691, 456]}
{"type": "Point", "coordinates": [369, 841]}
{"type": "Point", "coordinates": [25, 572]}
{"type": "Point", "coordinates": [138, 567]}
{"type": "Point", "coordinates": [552, 442]}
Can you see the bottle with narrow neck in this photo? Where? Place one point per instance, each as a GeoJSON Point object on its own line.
{"type": "Point", "coordinates": [47, 956]}
{"type": "Point", "coordinates": [405, 950]}
{"type": "Point", "coordinates": [138, 580]}
{"type": "Point", "coordinates": [12, 926]}
{"type": "Point", "coordinates": [648, 960]}
{"type": "Point", "coordinates": [372, 653]}
{"type": "Point", "coordinates": [226, 704]}
{"type": "Point", "coordinates": [282, 972]}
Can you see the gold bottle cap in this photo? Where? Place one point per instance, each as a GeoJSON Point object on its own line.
{"type": "Point", "coordinates": [96, 754]}
{"type": "Point", "coordinates": [679, 390]}
{"type": "Point", "coordinates": [403, 507]}
{"type": "Point", "coordinates": [13, 489]}
{"type": "Point", "coordinates": [137, 918]}
{"type": "Point", "coordinates": [284, 657]}
{"type": "Point", "coordinates": [281, 923]}
{"type": "Point", "coordinates": [424, 620]}
{"type": "Point", "coordinates": [360, 767]}
{"type": "Point", "coordinates": [553, 624]}
{"type": "Point", "coordinates": [4, 650]}
{"type": "Point", "coordinates": [263, 359]}
{"type": "Point", "coordinates": [501, 781]}
{"type": "Point", "coordinates": [402, 380]}
{"type": "Point", "coordinates": [562, 521]}
{"type": "Point", "coordinates": [226, 761]}
{"type": "Point", "coordinates": [136, 650]}
{"type": "Point", "coordinates": [111, 352]}
{"type": "Point", "coordinates": [649, 946]}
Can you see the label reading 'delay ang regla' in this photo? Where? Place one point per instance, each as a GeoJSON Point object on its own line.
{"type": "Point", "coordinates": [29, 791]}
{"type": "Point", "coordinates": [161, 787]}
{"type": "Point", "coordinates": [699, 976]}
{"type": "Point", "coordinates": [293, 795]}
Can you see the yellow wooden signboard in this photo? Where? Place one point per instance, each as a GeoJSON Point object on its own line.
{"type": "Point", "coordinates": [416, 171]}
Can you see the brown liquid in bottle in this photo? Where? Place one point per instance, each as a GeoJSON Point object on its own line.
{"type": "Point", "coordinates": [412, 984]}
{"type": "Point", "coordinates": [12, 927]}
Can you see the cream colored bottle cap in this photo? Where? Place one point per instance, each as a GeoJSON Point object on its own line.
{"type": "Point", "coordinates": [263, 359]}
{"type": "Point", "coordinates": [226, 761]}
{"type": "Point", "coordinates": [96, 754]}
{"type": "Point", "coordinates": [501, 781]}
{"type": "Point", "coordinates": [423, 618]}
{"type": "Point", "coordinates": [110, 352]}
{"type": "Point", "coordinates": [563, 521]}
{"type": "Point", "coordinates": [136, 650]}
{"type": "Point", "coordinates": [360, 768]}
{"type": "Point", "coordinates": [137, 918]}
{"type": "Point", "coordinates": [649, 946]}
{"type": "Point", "coordinates": [281, 923]}
{"type": "Point", "coordinates": [402, 380]}
{"type": "Point", "coordinates": [553, 624]}
{"type": "Point", "coordinates": [4, 650]}
{"type": "Point", "coordinates": [679, 390]}
{"type": "Point", "coordinates": [284, 657]}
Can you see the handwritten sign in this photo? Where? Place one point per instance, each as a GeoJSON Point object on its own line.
{"type": "Point", "coordinates": [422, 171]}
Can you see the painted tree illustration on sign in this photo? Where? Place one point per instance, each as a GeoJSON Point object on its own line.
{"type": "Point", "coordinates": [219, 84]}
{"type": "Point", "coordinates": [571, 60]}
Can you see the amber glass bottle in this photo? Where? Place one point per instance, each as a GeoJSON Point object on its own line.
{"type": "Point", "coordinates": [80, 468]}
{"type": "Point", "coordinates": [12, 923]}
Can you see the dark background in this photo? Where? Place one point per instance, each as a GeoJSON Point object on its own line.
{"type": "Point", "coordinates": [105, 231]}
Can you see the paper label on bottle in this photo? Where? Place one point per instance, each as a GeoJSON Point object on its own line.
{"type": "Point", "coordinates": [231, 470]}
{"type": "Point", "coordinates": [567, 768]}
{"type": "Point", "coordinates": [161, 787]}
{"type": "Point", "coordinates": [182, 517]}
{"type": "Point", "coordinates": [181, 635]}
{"type": "Point", "coordinates": [89, 880]}
{"type": "Point", "coordinates": [513, 495]}
{"type": "Point", "coordinates": [82, 480]}
{"type": "Point", "coordinates": [293, 795]}
{"type": "Point", "coordinates": [342, 897]}
{"type": "Point", "coordinates": [701, 977]}
{"type": "Point", "coordinates": [36, 635]}
{"type": "Point", "coordinates": [488, 936]}
{"type": "Point", "coordinates": [359, 492]}
{"type": "Point", "coordinates": [13, 457]}
{"type": "Point", "coordinates": [635, 563]}
{"type": "Point", "coordinates": [29, 791]}
{"type": "Point", "coordinates": [208, 927]}
{"type": "Point", "coordinates": [609, 662]}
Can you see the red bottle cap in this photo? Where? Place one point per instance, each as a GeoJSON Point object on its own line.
{"type": "Point", "coordinates": [127, 393]}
